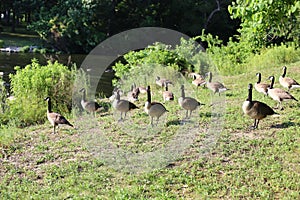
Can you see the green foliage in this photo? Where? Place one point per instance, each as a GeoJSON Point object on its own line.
{"type": "Point", "coordinates": [3, 95]}
{"type": "Point", "coordinates": [35, 82]}
{"type": "Point", "coordinates": [193, 55]}
{"type": "Point", "coordinates": [155, 54]}
{"type": "Point", "coordinates": [233, 58]}
{"type": "Point", "coordinates": [188, 56]}
{"type": "Point", "coordinates": [264, 22]}
{"type": "Point", "coordinates": [1, 43]}
{"type": "Point", "coordinates": [237, 56]}
{"type": "Point", "coordinates": [25, 49]}
{"type": "Point", "coordinates": [274, 56]}
{"type": "Point", "coordinates": [80, 25]}
{"type": "Point", "coordinates": [43, 51]}
{"type": "Point", "coordinates": [73, 26]}
{"type": "Point", "coordinates": [228, 58]}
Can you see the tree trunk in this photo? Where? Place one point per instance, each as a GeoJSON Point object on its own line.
{"type": "Point", "coordinates": [7, 17]}
{"type": "Point", "coordinates": [13, 24]}
{"type": "Point", "coordinates": [28, 17]}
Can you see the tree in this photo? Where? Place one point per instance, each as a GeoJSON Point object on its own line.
{"type": "Point", "coordinates": [78, 26]}
{"type": "Point", "coordinates": [267, 21]}
{"type": "Point", "coordinates": [73, 26]}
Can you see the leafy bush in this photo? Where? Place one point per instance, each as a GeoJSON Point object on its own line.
{"type": "Point", "coordinates": [35, 82]}
{"type": "Point", "coordinates": [267, 22]}
{"type": "Point", "coordinates": [229, 58]}
{"type": "Point", "coordinates": [238, 56]}
{"type": "Point", "coordinates": [155, 54]}
{"type": "Point", "coordinates": [25, 49]}
{"type": "Point", "coordinates": [188, 56]}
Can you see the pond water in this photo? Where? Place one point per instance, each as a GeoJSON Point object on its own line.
{"type": "Point", "coordinates": [9, 60]}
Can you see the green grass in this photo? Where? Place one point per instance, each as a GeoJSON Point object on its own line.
{"type": "Point", "coordinates": [235, 163]}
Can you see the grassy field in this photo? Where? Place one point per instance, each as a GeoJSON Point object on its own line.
{"type": "Point", "coordinates": [214, 155]}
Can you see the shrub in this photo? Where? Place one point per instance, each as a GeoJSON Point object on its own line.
{"type": "Point", "coordinates": [33, 83]}
{"type": "Point", "coordinates": [237, 57]}
{"type": "Point", "coordinates": [25, 49]}
{"type": "Point", "coordinates": [229, 58]}
{"type": "Point", "coordinates": [43, 51]}
{"type": "Point", "coordinates": [187, 56]}
{"type": "Point", "coordinates": [154, 54]}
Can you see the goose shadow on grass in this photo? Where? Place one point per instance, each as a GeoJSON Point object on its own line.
{"type": "Point", "coordinates": [285, 125]}
{"type": "Point", "coordinates": [182, 121]}
{"type": "Point", "coordinates": [175, 122]}
{"type": "Point", "coordinates": [210, 114]}
{"type": "Point", "coordinates": [230, 94]}
{"type": "Point", "coordinates": [206, 114]}
{"type": "Point", "coordinates": [104, 114]}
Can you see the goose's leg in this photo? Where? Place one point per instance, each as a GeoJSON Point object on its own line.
{"type": "Point", "coordinates": [151, 121]}
{"type": "Point", "coordinates": [253, 127]}
{"type": "Point", "coordinates": [277, 105]}
{"type": "Point", "coordinates": [281, 108]}
{"type": "Point", "coordinates": [120, 116]}
{"type": "Point", "coordinates": [256, 124]}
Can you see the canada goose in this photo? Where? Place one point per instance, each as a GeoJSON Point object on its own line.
{"type": "Point", "coordinates": [193, 75]}
{"type": "Point", "coordinates": [142, 90]}
{"type": "Point", "coordinates": [278, 94]}
{"type": "Point", "coordinates": [133, 94]}
{"type": "Point", "coordinates": [187, 103]}
{"type": "Point", "coordinates": [90, 106]}
{"type": "Point", "coordinates": [113, 95]}
{"type": "Point", "coordinates": [11, 98]}
{"type": "Point", "coordinates": [122, 105]}
{"type": "Point", "coordinates": [55, 118]}
{"type": "Point", "coordinates": [162, 81]}
{"type": "Point", "coordinates": [256, 109]}
{"type": "Point", "coordinates": [261, 87]}
{"type": "Point", "coordinates": [167, 95]}
{"type": "Point", "coordinates": [198, 81]}
{"type": "Point", "coordinates": [288, 82]}
{"type": "Point", "coordinates": [215, 86]}
{"type": "Point", "coordinates": [153, 109]}
{"type": "Point", "coordinates": [139, 89]}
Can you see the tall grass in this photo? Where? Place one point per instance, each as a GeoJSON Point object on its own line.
{"type": "Point", "coordinates": [274, 57]}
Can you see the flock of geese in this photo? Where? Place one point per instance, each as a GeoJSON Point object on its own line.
{"type": "Point", "coordinates": [258, 110]}
{"type": "Point", "coordinates": [255, 109]}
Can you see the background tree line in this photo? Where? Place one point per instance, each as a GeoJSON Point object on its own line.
{"type": "Point", "coordinates": [78, 26]}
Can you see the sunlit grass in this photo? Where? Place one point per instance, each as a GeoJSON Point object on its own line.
{"type": "Point", "coordinates": [236, 163]}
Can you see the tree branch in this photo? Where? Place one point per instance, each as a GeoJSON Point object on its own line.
{"type": "Point", "coordinates": [212, 13]}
